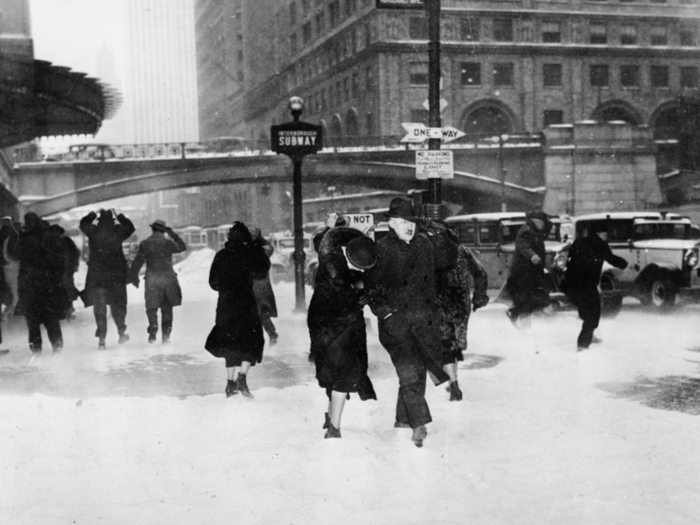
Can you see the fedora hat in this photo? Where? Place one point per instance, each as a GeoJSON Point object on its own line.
{"type": "Point", "coordinates": [159, 224]}
{"type": "Point", "coordinates": [402, 208]}
{"type": "Point", "coordinates": [361, 253]}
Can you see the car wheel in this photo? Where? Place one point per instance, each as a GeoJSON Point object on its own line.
{"type": "Point", "coordinates": [662, 293]}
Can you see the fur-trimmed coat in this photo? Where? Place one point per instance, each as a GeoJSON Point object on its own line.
{"type": "Point", "coordinates": [237, 327]}
{"type": "Point", "coordinates": [336, 321]}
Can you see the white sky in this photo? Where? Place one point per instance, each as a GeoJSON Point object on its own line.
{"type": "Point", "coordinates": [69, 32]}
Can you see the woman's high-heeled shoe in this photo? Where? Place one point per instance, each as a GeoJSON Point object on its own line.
{"type": "Point", "coordinates": [332, 432]}
{"type": "Point", "coordinates": [231, 388]}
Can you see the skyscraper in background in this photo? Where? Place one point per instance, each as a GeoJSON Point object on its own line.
{"type": "Point", "coordinates": [160, 98]}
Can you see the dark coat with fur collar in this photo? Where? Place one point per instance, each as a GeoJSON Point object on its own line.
{"type": "Point", "coordinates": [336, 321]}
{"type": "Point", "coordinates": [238, 327]}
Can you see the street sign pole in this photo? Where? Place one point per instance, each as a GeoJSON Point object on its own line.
{"type": "Point", "coordinates": [297, 139]}
{"type": "Point", "coordinates": [434, 184]}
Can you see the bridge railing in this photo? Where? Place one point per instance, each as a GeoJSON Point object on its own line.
{"type": "Point", "coordinates": [235, 146]}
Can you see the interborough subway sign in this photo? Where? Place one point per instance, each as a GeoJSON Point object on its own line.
{"type": "Point", "coordinates": [296, 138]}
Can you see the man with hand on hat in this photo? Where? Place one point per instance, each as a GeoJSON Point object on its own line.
{"type": "Point", "coordinates": [408, 314]}
{"type": "Point", "coordinates": [526, 282]}
{"type": "Point", "coordinates": [162, 287]}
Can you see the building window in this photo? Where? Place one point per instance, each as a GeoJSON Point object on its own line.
{"type": "Point", "coordinates": [629, 76]}
{"type": "Point", "coordinates": [418, 73]}
{"type": "Point", "coordinates": [369, 124]}
{"type": "Point", "coordinates": [628, 35]}
{"type": "Point", "coordinates": [469, 29]}
{"type": "Point", "coordinates": [503, 74]}
{"type": "Point", "coordinates": [552, 117]}
{"type": "Point", "coordinates": [503, 30]}
{"type": "Point", "coordinates": [471, 74]}
{"type": "Point", "coordinates": [369, 79]}
{"type": "Point", "coordinates": [598, 34]}
{"type": "Point", "coordinates": [688, 35]}
{"type": "Point", "coordinates": [659, 76]}
{"type": "Point", "coordinates": [418, 28]}
{"type": "Point", "coordinates": [334, 13]}
{"type": "Point", "coordinates": [346, 89]}
{"type": "Point", "coordinates": [355, 84]}
{"type": "Point", "coordinates": [689, 77]}
{"type": "Point", "coordinates": [659, 35]}
{"type": "Point", "coordinates": [306, 32]}
{"type": "Point", "coordinates": [292, 13]}
{"type": "Point", "coordinates": [419, 116]}
{"type": "Point", "coordinates": [599, 75]}
{"type": "Point", "coordinates": [551, 75]}
{"type": "Point", "coordinates": [320, 23]}
{"type": "Point", "coordinates": [293, 43]}
{"type": "Point", "coordinates": [349, 7]}
{"type": "Point", "coordinates": [551, 32]}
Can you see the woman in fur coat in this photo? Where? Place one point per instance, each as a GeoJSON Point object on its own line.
{"type": "Point", "coordinates": [336, 321]}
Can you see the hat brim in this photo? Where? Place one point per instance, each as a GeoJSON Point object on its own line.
{"type": "Point", "coordinates": [410, 218]}
{"type": "Point", "coordinates": [161, 226]}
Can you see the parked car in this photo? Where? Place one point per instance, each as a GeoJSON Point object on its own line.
{"type": "Point", "coordinates": [661, 252]}
{"type": "Point", "coordinates": [282, 260]}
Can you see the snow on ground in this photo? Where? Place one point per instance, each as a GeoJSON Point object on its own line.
{"type": "Point", "coordinates": [143, 434]}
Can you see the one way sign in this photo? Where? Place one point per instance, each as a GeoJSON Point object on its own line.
{"type": "Point", "coordinates": [418, 132]}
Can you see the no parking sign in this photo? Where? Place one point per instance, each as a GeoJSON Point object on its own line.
{"type": "Point", "coordinates": [361, 221]}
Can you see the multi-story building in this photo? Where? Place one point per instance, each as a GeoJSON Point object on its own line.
{"type": "Point", "coordinates": [507, 65]}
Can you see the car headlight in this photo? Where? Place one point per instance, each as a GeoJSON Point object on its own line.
{"type": "Point", "coordinates": [560, 261]}
{"type": "Point", "coordinates": [691, 258]}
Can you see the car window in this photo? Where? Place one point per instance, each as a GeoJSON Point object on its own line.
{"type": "Point", "coordinates": [620, 230]}
{"type": "Point", "coordinates": [488, 233]}
{"type": "Point", "coordinates": [467, 233]}
{"type": "Point", "coordinates": [661, 231]}
{"type": "Point", "coordinates": [510, 232]}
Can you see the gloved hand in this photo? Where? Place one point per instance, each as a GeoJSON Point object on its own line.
{"type": "Point", "coordinates": [535, 259]}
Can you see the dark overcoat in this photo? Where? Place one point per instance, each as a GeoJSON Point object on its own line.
{"type": "Point", "coordinates": [405, 274]}
{"type": "Point", "coordinates": [237, 327]}
{"type": "Point", "coordinates": [526, 281]}
{"type": "Point", "coordinates": [107, 266]}
{"type": "Point", "coordinates": [336, 320]}
{"type": "Point", "coordinates": [264, 294]}
{"type": "Point", "coordinates": [161, 280]}
{"type": "Point", "coordinates": [41, 294]}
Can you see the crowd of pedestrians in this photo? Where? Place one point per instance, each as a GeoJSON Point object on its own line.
{"type": "Point", "coordinates": [418, 280]}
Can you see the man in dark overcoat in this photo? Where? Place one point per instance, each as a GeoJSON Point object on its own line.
{"type": "Point", "coordinates": [336, 321]}
{"type": "Point", "coordinates": [526, 282]}
{"type": "Point", "coordinates": [42, 300]}
{"type": "Point", "coordinates": [237, 333]}
{"type": "Point", "coordinates": [162, 288]}
{"type": "Point", "coordinates": [582, 275]}
{"type": "Point", "coordinates": [408, 314]}
{"type": "Point", "coordinates": [262, 287]}
{"type": "Point", "coordinates": [105, 283]}
{"type": "Point", "coordinates": [71, 263]}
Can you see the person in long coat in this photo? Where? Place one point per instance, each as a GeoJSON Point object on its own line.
{"type": "Point", "coordinates": [162, 290]}
{"type": "Point", "coordinates": [42, 300]}
{"type": "Point", "coordinates": [9, 239]}
{"type": "Point", "coordinates": [581, 277]}
{"type": "Point", "coordinates": [526, 282]}
{"type": "Point", "coordinates": [105, 283]}
{"type": "Point", "coordinates": [264, 294]}
{"type": "Point", "coordinates": [336, 320]}
{"type": "Point", "coordinates": [408, 314]}
{"type": "Point", "coordinates": [71, 258]}
{"type": "Point", "coordinates": [237, 334]}
{"type": "Point", "coordinates": [456, 304]}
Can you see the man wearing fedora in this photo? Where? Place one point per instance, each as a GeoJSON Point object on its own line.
{"type": "Point", "coordinates": [408, 315]}
{"type": "Point", "coordinates": [162, 288]}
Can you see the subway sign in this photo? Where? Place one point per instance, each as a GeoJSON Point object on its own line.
{"type": "Point", "coordinates": [401, 4]}
{"type": "Point", "coordinates": [296, 138]}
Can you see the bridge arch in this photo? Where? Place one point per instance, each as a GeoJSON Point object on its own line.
{"type": "Point", "coordinates": [336, 127]}
{"type": "Point", "coordinates": [488, 117]}
{"type": "Point", "coordinates": [617, 110]}
{"type": "Point", "coordinates": [667, 121]}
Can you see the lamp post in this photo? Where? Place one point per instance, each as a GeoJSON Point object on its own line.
{"type": "Point", "coordinates": [502, 139]}
{"type": "Point", "coordinates": [297, 139]}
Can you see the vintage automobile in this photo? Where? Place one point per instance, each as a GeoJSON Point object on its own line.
{"type": "Point", "coordinates": [282, 260]}
{"type": "Point", "coordinates": [661, 252]}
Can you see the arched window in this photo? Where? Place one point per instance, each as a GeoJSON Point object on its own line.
{"type": "Point", "coordinates": [487, 120]}
{"type": "Point", "coordinates": [352, 126]}
{"type": "Point", "coordinates": [336, 128]}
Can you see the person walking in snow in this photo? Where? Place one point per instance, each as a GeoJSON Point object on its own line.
{"type": "Point", "coordinates": [105, 284]}
{"type": "Point", "coordinates": [42, 300]}
{"type": "Point", "coordinates": [162, 290]}
{"type": "Point", "coordinates": [264, 294]}
{"type": "Point", "coordinates": [237, 334]}
{"type": "Point", "coordinates": [336, 320]}
{"type": "Point", "coordinates": [581, 278]}
{"type": "Point", "coordinates": [456, 305]}
{"type": "Point", "coordinates": [408, 314]}
{"type": "Point", "coordinates": [526, 282]}
{"type": "Point", "coordinates": [71, 262]}
{"type": "Point", "coordinates": [9, 239]}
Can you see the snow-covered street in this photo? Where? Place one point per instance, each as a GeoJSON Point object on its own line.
{"type": "Point", "coordinates": [143, 434]}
